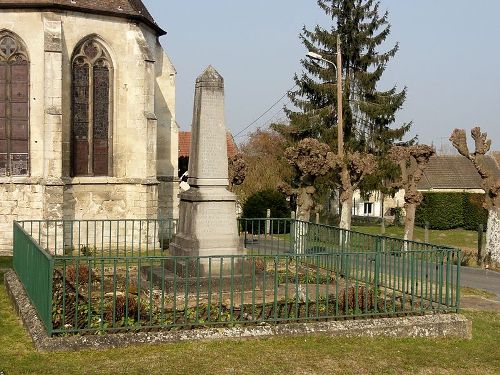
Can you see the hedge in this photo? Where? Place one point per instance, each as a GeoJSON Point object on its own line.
{"type": "Point", "coordinates": [474, 212]}
{"type": "Point", "coordinates": [451, 210]}
{"type": "Point", "coordinates": [257, 204]}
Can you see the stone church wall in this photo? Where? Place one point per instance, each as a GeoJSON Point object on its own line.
{"type": "Point", "coordinates": [144, 183]}
{"type": "Point", "coordinates": [20, 201]}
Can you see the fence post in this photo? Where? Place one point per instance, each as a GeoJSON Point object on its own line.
{"type": "Point", "coordinates": [268, 222]}
{"type": "Point", "coordinates": [245, 231]}
{"type": "Point", "coordinates": [378, 247]}
{"type": "Point", "coordinates": [480, 230]}
{"type": "Point", "coordinates": [50, 325]}
{"type": "Point", "coordinates": [292, 231]}
{"type": "Point", "coordinates": [426, 233]}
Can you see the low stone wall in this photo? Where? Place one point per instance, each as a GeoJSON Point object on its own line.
{"type": "Point", "coordinates": [429, 326]}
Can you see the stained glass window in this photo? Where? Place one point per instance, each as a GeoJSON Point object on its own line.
{"type": "Point", "coordinates": [91, 102]}
{"type": "Point", "coordinates": [14, 106]}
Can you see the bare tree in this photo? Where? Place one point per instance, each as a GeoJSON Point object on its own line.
{"type": "Point", "coordinates": [267, 167]}
{"type": "Point", "coordinates": [412, 161]}
{"type": "Point", "coordinates": [490, 184]}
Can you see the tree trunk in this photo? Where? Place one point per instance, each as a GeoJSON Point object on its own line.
{"type": "Point", "coordinates": [346, 213]}
{"type": "Point", "coordinates": [410, 209]}
{"type": "Point", "coordinates": [493, 235]}
{"type": "Point", "coordinates": [305, 203]}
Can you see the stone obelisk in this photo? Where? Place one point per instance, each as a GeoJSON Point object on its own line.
{"type": "Point", "coordinates": [207, 222]}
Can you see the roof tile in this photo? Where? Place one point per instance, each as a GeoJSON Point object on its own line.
{"type": "Point", "coordinates": [185, 144]}
{"type": "Point", "coordinates": [121, 8]}
{"type": "Point", "coordinates": [454, 172]}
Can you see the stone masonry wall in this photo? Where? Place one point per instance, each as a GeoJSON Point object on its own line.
{"type": "Point", "coordinates": [144, 131]}
{"type": "Point", "coordinates": [18, 202]}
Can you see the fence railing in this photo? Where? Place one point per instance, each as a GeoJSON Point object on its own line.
{"type": "Point", "coordinates": [288, 274]}
{"type": "Point", "coordinates": [35, 269]}
{"type": "Point", "coordinates": [295, 236]}
{"type": "Point", "coordinates": [102, 237]}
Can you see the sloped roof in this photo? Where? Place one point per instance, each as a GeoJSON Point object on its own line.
{"type": "Point", "coordinates": [185, 144]}
{"type": "Point", "coordinates": [496, 156]}
{"type": "Point", "coordinates": [132, 9]}
{"type": "Point", "coordinates": [454, 173]}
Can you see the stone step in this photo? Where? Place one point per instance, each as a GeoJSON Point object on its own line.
{"type": "Point", "coordinates": [166, 280]}
{"type": "Point", "coordinates": [214, 266]}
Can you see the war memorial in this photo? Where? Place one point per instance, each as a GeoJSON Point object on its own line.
{"type": "Point", "coordinates": [112, 259]}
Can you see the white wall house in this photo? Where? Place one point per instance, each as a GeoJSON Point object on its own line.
{"type": "Point", "coordinates": [444, 174]}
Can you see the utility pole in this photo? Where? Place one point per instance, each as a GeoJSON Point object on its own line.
{"type": "Point", "coordinates": [340, 106]}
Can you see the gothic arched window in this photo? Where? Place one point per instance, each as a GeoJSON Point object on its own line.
{"type": "Point", "coordinates": [91, 110]}
{"type": "Point", "coordinates": [14, 106]}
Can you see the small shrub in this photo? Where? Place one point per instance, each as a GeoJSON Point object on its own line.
{"type": "Point", "coordinates": [122, 308]}
{"type": "Point", "coordinates": [467, 258]}
{"type": "Point", "coordinates": [81, 270]}
{"type": "Point", "coordinates": [87, 251]}
{"type": "Point", "coordinates": [364, 300]}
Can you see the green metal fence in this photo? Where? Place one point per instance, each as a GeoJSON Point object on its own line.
{"type": "Point", "coordinates": [35, 268]}
{"type": "Point", "coordinates": [292, 272]}
{"type": "Point", "coordinates": [101, 238]}
{"type": "Point", "coordinates": [287, 235]}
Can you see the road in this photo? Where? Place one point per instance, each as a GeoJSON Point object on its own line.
{"type": "Point", "coordinates": [481, 279]}
{"type": "Point", "coordinates": [470, 277]}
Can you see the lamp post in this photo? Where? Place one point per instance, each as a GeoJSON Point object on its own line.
{"type": "Point", "coordinates": [338, 71]}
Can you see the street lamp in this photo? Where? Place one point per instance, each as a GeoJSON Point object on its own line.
{"type": "Point", "coordinates": [318, 57]}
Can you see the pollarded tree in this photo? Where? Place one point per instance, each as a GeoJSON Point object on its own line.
{"type": "Point", "coordinates": [369, 113]}
{"type": "Point", "coordinates": [352, 168]}
{"type": "Point", "coordinates": [310, 158]}
{"type": "Point", "coordinates": [412, 161]}
{"type": "Point", "coordinates": [237, 170]}
{"type": "Point", "coordinates": [490, 184]}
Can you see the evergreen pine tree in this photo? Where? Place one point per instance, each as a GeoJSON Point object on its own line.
{"type": "Point", "coordinates": [369, 113]}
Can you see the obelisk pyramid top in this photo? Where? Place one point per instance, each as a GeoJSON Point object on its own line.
{"type": "Point", "coordinates": [210, 77]}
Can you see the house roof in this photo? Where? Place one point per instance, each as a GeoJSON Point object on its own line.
{"type": "Point", "coordinates": [185, 144]}
{"type": "Point", "coordinates": [496, 156]}
{"type": "Point", "coordinates": [454, 173]}
{"type": "Point", "coordinates": [131, 9]}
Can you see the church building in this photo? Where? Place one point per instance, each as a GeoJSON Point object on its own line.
{"type": "Point", "coordinates": [87, 113]}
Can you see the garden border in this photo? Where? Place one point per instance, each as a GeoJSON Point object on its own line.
{"type": "Point", "coordinates": [427, 326]}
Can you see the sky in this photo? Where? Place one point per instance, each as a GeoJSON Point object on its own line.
{"type": "Point", "coordinates": [449, 59]}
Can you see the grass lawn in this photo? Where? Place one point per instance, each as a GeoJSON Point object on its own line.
{"type": "Point", "coordinates": [282, 355]}
{"type": "Point", "coordinates": [5, 262]}
{"type": "Point", "coordinates": [459, 238]}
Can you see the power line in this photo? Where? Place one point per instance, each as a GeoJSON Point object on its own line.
{"type": "Point", "coordinates": [272, 119]}
{"type": "Point", "coordinates": [266, 112]}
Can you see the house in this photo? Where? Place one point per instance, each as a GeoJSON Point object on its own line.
{"type": "Point", "coordinates": [185, 145]}
{"type": "Point", "coordinates": [454, 174]}
{"type": "Point", "coordinates": [87, 113]}
{"type": "Point", "coordinates": [443, 174]}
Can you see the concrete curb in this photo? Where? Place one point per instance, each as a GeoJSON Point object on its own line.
{"type": "Point", "coordinates": [429, 326]}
